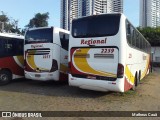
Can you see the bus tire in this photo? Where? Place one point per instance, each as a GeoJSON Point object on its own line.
{"type": "Point", "coordinates": [5, 77]}
{"type": "Point", "coordinates": [135, 82]}
{"type": "Point", "coordinates": [139, 77]}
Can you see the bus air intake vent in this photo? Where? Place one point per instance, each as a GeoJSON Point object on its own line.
{"type": "Point", "coordinates": [82, 56]}
{"type": "Point", "coordinates": [109, 56]}
{"type": "Point", "coordinates": [38, 52]}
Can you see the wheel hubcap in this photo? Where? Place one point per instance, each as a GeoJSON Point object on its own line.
{"type": "Point", "coordinates": [3, 77]}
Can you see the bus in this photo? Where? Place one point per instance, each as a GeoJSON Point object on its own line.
{"type": "Point", "coordinates": [106, 53]}
{"type": "Point", "coordinates": [11, 57]}
{"type": "Point", "coordinates": [46, 54]}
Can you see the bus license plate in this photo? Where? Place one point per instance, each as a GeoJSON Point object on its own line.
{"type": "Point", "coordinates": [91, 77]}
{"type": "Point", "coordinates": [37, 75]}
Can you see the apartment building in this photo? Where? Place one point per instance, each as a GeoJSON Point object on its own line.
{"type": "Point", "coordinates": [72, 9]}
{"type": "Point", "coordinates": [149, 13]}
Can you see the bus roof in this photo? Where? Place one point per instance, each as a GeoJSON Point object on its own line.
{"type": "Point", "coordinates": [116, 13]}
{"type": "Point", "coordinates": [12, 35]}
{"type": "Point", "coordinates": [60, 29]}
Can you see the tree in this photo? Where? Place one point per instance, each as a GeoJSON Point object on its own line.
{"type": "Point", "coordinates": [151, 34]}
{"type": "Point", "coordinates": [9, 25]}
{"type": "Point", "coordinates": [39, 20]}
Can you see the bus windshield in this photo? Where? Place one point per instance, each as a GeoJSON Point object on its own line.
{"type": "Point", "coordinates": [96, 26]}
{"type": "Point", "coordinates": [39, 36]}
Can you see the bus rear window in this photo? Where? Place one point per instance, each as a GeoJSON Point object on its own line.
{"type": "Point", "coordinates": [39, 36]}
{"type": "Point", "coordinates": [96, 26]}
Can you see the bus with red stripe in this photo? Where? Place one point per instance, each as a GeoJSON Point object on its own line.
{"type": "Point", "coordinates": [11, 57]}
{"type": "Point", "coordinates": [106, 53]}
{"type": "Point", "coordinates": [46, 54]}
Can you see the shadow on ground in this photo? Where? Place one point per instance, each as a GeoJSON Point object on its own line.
{"type": "Point", "coordinates": [50, 88]}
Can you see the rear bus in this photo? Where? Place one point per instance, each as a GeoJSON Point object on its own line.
{"type": "Point", "coordinates": [99, 54]}
{"type": "Point", "coordinates": [45, 57]}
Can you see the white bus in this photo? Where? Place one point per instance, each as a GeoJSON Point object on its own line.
{"type": "Point", "coordinates": [11, 57]}
{"type": "Point", "coordinates": [46, 54]}
{"type": "Point", "coordinates": [106, 53]}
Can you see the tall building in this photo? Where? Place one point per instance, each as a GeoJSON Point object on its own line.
{"type": "Point", "coordinates": [64, 13]}
{"type": "Point", "coordinates": [69, 11]}
{"type": "Point", "coordinates": [72, 9]}
{"type": "Point", "coordinates": [118, 6]}
{"type": "Point", "coordinates": [149, 13]}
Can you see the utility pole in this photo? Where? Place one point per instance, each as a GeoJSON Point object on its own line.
{"type": "Point", "coordinates": [2, 28]}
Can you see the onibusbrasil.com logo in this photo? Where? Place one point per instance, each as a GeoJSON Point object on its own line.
{"type": "Point", "coordinates": [21, 114]}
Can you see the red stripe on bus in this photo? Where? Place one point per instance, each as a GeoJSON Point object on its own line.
{"type": "Point", "coordinates": [127, 85]}
{"type": "Point", "coordinates": [9, 63]}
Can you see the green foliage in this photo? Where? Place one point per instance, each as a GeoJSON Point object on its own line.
{"type": "Point", "coordinates": [9, 25]}
{"type": "Point", "coordinates": [39, 20]}
{"type": "Point", "coordinates": [4, 18]}
{"type": "Point", "coordinates": [151, 34]}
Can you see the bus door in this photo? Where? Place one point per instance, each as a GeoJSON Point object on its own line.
{"type": "Point", "coordinates": [95, 63]}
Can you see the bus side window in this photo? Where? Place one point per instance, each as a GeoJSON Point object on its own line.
{"type": "Point", "coordinates": [137, 40]}
{"type": "Point", "coordinates": [2, 49]}
{"type": "Point", "coordinates": [148, 48]}
{"type": "Point", "coordinates": [67, 41]}
{"type": "Point", "coordinates": [19, 46]}
{"type": "Point", "coordinates": [129, 37]}
{"type": "Point", "coordinates": [11, 47]}
{"type": "Point", "coordinates": [133, 39]}
{"type": "Point", "coordinates": [64, 38]}
{"type": "Point", "coordinates": [145, 46]}
{"type": "Point", "coordinates": [142, 42]}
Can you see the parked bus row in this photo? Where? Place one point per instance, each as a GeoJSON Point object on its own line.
{"type": "Point", "coordinates": [103, 52]}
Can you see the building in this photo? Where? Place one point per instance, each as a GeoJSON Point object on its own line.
{"type": "Point", "coordinates": [64, 14]}
{"type": "Point", "coordinates": [72, 9]}
{"type": "Point", "coordinates": [155, 54]}
{"type": "Point", "coordinates": [69, 11]}
{"type": "Point", "coordinates": [149, 13]}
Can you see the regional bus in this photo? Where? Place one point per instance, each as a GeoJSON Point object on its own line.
{"type": "Point", "coordinates": [106, 53]}
{"type": "Point", "coordinates": [11, 57]}
{"type": "Point", "coordinates": [46, 54]}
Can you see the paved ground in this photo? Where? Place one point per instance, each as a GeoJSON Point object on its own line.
{"type": "Point", "coordinates": [28, 95]}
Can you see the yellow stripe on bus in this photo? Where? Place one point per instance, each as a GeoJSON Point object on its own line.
{"type": "Point", "coordinates": [129, 75]}
{"type": "Point", "coordinates": [20, 59]}
{"type": "Point", "coordinates": [30, 60]}
{"type": "Point", "coordinates": [64, 68]}
{"type": "Point", "coordinates": [85, 66]}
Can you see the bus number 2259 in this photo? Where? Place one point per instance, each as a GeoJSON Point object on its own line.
{"type": "Point", "coordinates": [107, 50]}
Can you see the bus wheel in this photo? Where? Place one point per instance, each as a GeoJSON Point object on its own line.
{"type": "Point", "coordinates": [5, 77]}
{"type": "Point", "coordinates": [139, 77]}
{"type": "Point", "coordinates": [133, 88]}
{"type": "Point", "coordinates": [135, 82]}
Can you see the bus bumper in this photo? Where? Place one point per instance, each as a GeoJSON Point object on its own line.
{"type": "Point", "coordinates": [42, 76]}
{"type": "Point", "coordinates": [97, 85]}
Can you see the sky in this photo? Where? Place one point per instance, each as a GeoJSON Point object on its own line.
{"type": "Point", "coordinates": [24, 10]}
